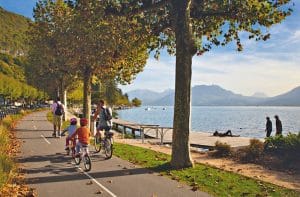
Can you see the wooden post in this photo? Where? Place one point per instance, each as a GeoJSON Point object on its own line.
{"type": "Point", "coordinates": [156, 132]}
{"type": "Point", "coordinates": [142, 135]}
{"type": "Point", "coordinates": [133, 132]}
{"type": "Point", "coordinates": [162, 136]}
{"type": "Point", "coordinates": [124, 131]}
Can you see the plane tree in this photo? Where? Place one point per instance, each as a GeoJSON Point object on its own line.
{"type": "Point", "coordinates": [50, 65]}
{"type": "Point", "coordinates": [192, 27]}
{"type": "Point", "coordinates": [105, 47]}
{"type": "Point", "coordinates": [76, 39]}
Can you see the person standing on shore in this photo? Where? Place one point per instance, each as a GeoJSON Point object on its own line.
{"type": "Point", "coordinates": [268, 127]}
{"type": "Point", "coordinates": [57, 111]}
{"type": "Point", "coordinates": [278, 125]}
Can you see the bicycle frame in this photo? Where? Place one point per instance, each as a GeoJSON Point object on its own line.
{"type": "Point", "coordinates": [84, 156]}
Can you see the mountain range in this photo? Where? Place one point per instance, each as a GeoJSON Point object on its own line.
{"type": "Point", "coordinates": [213, 95]}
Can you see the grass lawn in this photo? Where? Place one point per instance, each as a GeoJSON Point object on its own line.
{"type": "Point", "coordinates": [205, 178]}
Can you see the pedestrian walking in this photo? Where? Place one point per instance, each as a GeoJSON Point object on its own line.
{"type": "Point", "coordinates": [268, 127]}
{"type": "Point", "coordinates": [57, 111]}
{"type": "Point", "coordinates": [278, 125]}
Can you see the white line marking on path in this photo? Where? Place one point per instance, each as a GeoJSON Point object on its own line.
{"type": "Point", "coordinates": [45, 139]}
{"type": "Point", "coordinates": [99, 184]}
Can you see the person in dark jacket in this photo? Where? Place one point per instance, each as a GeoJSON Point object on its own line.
{"type": "Point", "coordinates": [268, 127]}
{"type": "Point", "coordinates": [278, 125]}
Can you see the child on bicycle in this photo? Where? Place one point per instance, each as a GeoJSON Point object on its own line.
{"type": "Point", "coordinates": [70, 129]}
{"type": "Point", "coordinates": [83, 133]}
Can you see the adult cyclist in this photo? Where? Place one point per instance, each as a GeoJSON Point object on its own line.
{"type": "Point", "coordinates": [105, 121]}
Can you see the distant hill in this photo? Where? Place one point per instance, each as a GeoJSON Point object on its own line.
{"type": "Point", "coordinates": [148, 96]}
{"type": "Point", "coordinates": [13, 29]}
{"type": "Point", "coordinates": [291, 98]}
{"type": "Point", "coordinates": [12, 67]}
{"type": "Point", "coordinates": [204, 95]}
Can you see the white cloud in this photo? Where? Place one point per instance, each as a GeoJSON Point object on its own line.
{"type": "Point", "coordinates": [272, 67]}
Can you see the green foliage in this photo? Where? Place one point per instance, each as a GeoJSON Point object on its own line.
{"type": "Point", "coordinates": [128, 136]}
{"type": "Point", "coordinates": [202, 177]}
{"type": "Point", "coordinates": [286, 147]}
{"type": "Point", "coordinates": [136, 102]}
{"type": "Point", "coordinates": [76, 95]}
{"type": "Point", "coordinates": [222, 149]}
{"type": "Point", "coordinates": [13, 29]}
{"type": "Point", "coordinates": [12, 66]}
{"type": "Point", "coordinates": [14, 89]}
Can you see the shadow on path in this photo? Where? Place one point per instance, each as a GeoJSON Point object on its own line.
{"type": "Point", "coordinates": [72, 177]}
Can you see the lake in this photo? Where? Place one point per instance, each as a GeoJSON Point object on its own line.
{"type": "Point", "coordinates": [247, 121]}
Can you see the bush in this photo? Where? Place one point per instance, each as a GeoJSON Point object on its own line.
{"type": "Point", "coordinates": [286, 147]}
{"type": "Point", "coordinates": [128, 136]}
{"type": "Point", "coordinates": [253, 152]}
{"type": "Point", "coordinates": [222, 149]}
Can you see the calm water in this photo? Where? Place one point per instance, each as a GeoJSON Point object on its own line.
{"type": "Point", "coordinates": [244, 121]}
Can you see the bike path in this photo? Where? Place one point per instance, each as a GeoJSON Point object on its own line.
{"type": "Point", "coordinates": [52, 173]}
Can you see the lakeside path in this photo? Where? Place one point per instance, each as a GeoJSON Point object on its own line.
{"type": "Point", "coordinates": [52, 173]}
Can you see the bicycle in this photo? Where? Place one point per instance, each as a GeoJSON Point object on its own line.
{"type": "Point", "coordinates": [84, 156]}
{"type": "Point", "coordinates": [106, 143]}
{"type": "Point", "coordinates": [71, 148]}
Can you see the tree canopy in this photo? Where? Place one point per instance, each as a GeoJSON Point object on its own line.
{"type": "Point", "coordinates": [189, 27]}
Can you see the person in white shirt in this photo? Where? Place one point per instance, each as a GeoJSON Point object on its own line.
{"type": "Point", "coordinates": [58, 111]}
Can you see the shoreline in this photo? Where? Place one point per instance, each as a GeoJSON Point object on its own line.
{"type": "Point", "coordinates": [164, 135]}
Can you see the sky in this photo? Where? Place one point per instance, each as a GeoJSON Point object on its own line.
{"type": "Point", "coordinates": [271, 67]}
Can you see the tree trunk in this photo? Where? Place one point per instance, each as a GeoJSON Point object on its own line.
{"type": "Point", "coordinates": [87, 87]}
{"type": "Point", "coordinates": [181, 157]}
{"type": "Point", "coordinates": [62, 93]}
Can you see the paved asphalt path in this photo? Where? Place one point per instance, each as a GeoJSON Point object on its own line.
{"type": "Point", "coordinates": [53, 173]}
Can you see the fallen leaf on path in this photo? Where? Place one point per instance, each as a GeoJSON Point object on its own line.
{"type": "Point", "coordinates": [110, 181]}
{"type": "Point", "coordinates": [99, 192]}
{"type": "Point", "coordinates": [89, 183]}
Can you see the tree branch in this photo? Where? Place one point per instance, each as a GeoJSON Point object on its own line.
{"type": "Point", "coordinates": [147, 5]}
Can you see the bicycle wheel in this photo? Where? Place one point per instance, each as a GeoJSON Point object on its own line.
{"type": "Point", "coordinates": [108, 148]}
{"type": "Point", "coordinates": [77, 160]}
{"type": "Point", "coordinates": [97, 143]}
{"type": "Point", "coordinates": [87, 162]}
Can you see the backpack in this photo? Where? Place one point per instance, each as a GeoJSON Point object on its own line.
{"type": "Point", "coordinates": [58, 110]}
{"type": "Point", "coordinates": [107, 114]}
